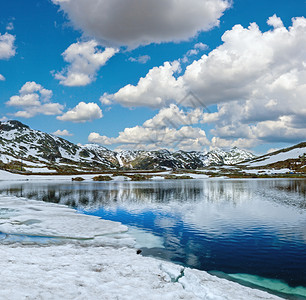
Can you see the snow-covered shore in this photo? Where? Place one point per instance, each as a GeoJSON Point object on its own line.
{"type": "Point", "coordinates": [89, 258]}
{"type": "Point", "coordinates": [76, 272]}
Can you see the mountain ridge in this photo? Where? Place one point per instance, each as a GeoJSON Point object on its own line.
{"type": "Point", "coordinates": [29, 150]}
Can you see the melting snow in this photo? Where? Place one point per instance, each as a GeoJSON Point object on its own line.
{"type": "Point", "coordinates": [46, 219]}
{"type": "Point", "coordinates": [95, 261]}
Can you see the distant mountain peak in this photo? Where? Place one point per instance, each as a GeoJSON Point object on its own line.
{"type": "Point", "coordinates": [94, 146]}
{"type": "Point", "coordinates": [12, 124]}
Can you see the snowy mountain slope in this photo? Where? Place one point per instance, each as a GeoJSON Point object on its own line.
{"type": "Point", "coordinates": [22, 148]}
{"type": "Point", "coordinates": [292, 158]}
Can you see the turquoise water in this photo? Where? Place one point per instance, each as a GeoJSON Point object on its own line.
{"type": "Point", "coordinates": [251, 231]}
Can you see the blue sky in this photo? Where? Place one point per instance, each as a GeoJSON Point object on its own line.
{"type": "Point", "coordinates": [116, 72]}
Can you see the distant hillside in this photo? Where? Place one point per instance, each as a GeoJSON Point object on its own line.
{"type": "Point", "coordinates": [28, 150]}
{"type": "Point", "coordinates": [291, 158]}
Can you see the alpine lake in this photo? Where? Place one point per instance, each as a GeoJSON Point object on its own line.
{"type": "Point", "coordinates": [252, 231]}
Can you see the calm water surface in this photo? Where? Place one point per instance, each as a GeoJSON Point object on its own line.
{"type": "Point", "coordinates": [255, 227]}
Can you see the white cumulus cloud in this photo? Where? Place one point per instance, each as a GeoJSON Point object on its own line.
{"type": "Point", "coordinates": [140, 22]}
{"type": "Point", "coordinates": [250, 64]}
{"type": "Point", "coordinates": [7, 48]}
{"type": "Point", "coordinates": [82, 113]}
{"type": "Point", "coordinates": [257, 79]}
{"type": "Point", "coordinates": [169, 128]}
{"type": "Point", "coordinates": [138, 137]}
{"type": "Point", "coordinates": [85, 59]}
{"type": "Point", "coordinates": [173, 116]}
{"type": "Point", "coordinates": [64, 132]}
{"type": "Point", "coordinates": [275, 21]}
{"type": "Point", "coordinates": [34, 99]}
{"type": "Point", "coordinates": [157, 89]}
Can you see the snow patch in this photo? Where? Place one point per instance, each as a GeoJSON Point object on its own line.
{"type": "Point", "coordinates": [268, 171]}
{"type": "Point", "coordinates": [292, 154]}
{"type": "Point", "coordinates": [119, 160]}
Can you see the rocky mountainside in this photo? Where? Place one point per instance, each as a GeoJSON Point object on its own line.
{"type": "Point", "coordinates": [25, 149]}
{"type": "Point", "coordinates": [181, 159]}
{"type": "Point", "coordinates": [33, 150]}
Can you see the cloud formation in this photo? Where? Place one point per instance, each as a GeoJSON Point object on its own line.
{"type": "Point", "coordinates": [7, 48]}
{"type": "Point", "coordinates": [169, 128]}
{"type": "Point", "coordinates": [173, 116]}
{"type": "Point", "coordinates": [143, 59]}
{"type": "Point", "coordinates": [64, 132]}
{"type": "Point", "coordinates": [34, 99]}
{"type": "Point", "coordinates": [10, 26]}
{"type": "Point", "coordinates": [157, 89]}
{"type": "Point", "coordinates": [254, 77]}
{"type": "Point", "coordinates": [249, 64]}
{"type": "Point", "coordinates": [82, 113]}
{"type": "Point", "coordinates": [197, 48]}
{"type": "Point", "coordinates": [85, 59]}
{"type": "Point", "coordinates": [141, 22]}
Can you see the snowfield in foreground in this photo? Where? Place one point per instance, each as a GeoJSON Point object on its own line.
{"type": "Point", "coordinates": [89, 258]}
{"type": "Point", "coordinates": [75, 272]}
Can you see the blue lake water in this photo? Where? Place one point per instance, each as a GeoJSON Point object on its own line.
{"type": "Point", "coordinates": [250, 231]}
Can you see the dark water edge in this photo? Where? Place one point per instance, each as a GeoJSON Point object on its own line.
{"type": "Point", "coordinates": [253, 227]}
{"type": "Point", "coordinates": [273, 287]}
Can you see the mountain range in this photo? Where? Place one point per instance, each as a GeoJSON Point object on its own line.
{"type": "Point", "coordinates": [28, 150]}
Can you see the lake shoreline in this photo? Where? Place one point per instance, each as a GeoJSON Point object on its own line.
{"type": "Point", "coordinates": [86, 269]}
{"type": "Point", "coordinates": [123, 242]}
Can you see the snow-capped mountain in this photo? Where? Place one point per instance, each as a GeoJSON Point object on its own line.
{"type": "Point", "coordinates": [22, 148]}
{"type": "Point", "coordinates": [181, 159]}
{"type": "Point", "coordinates": [32, 150]}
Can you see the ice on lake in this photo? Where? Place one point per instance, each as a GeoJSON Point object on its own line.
{"type": "Point", "coordinates": [96, 259]}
